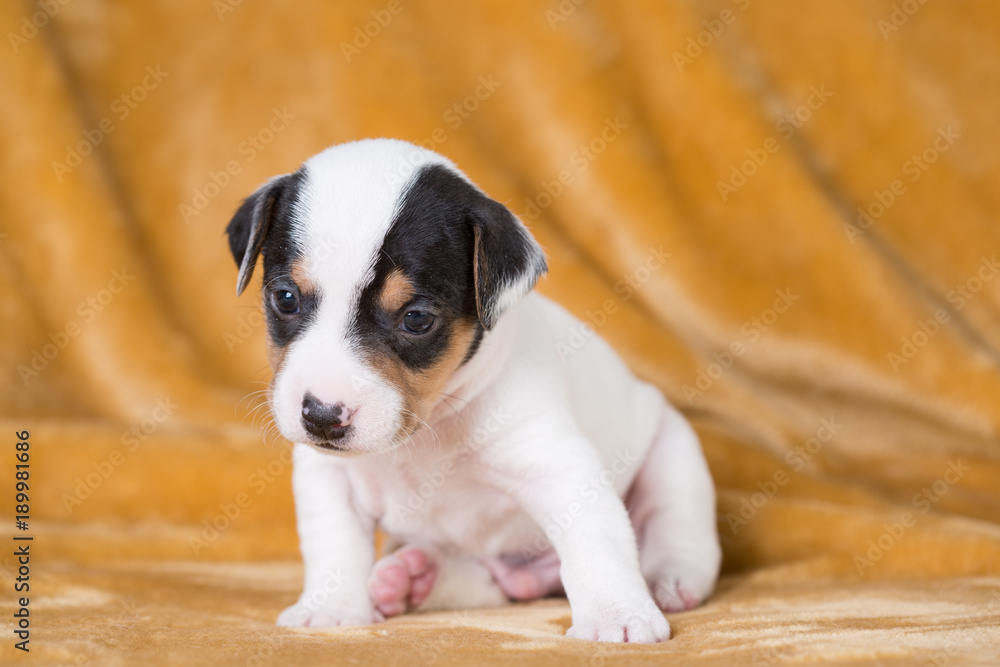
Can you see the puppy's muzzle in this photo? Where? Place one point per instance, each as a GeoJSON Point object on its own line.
{"type": "Point", "coordinates": [326, 422]}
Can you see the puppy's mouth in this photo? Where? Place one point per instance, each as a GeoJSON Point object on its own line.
{"type": "Point", "coordinates": [334, 448]}
{"type": "Point", "coordinates": [331, 446]}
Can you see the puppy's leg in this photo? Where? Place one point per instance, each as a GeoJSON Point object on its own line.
{"type": "Point", "coordinates": [414, 577]}
{"type": "Point", "coordinates": [337, 543]}
{"type": "Point", "coordinates": [672, 506]}
{"type": "Point", "coordinates": [530, 579]}
{"type": "Point", "coordinates": [549, 472]}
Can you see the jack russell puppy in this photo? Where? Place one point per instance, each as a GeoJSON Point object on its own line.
{"type": "Point", "coordinates": [419, 376]}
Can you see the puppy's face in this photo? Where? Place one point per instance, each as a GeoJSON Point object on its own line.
{"type": "Point", "coordinates": [383, 269]}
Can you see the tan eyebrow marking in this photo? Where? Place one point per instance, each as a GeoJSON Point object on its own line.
{"type": "Point", "coordinates": [396, 291]}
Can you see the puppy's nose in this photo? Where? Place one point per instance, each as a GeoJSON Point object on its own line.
{"type": "Point", "coordinates": [329, 422]}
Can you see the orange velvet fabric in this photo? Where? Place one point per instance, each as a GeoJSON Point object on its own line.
{"type": "Point", "coordinates": [784, 214]}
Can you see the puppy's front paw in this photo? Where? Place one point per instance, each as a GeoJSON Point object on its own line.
{"type": "Point", "coordinates": [638, 623]}
{"type": "Point", "coordinates": [306, 615]}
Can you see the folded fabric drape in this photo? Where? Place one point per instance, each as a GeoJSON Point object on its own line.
{"type": "Point", "coordinates": [783, 214]}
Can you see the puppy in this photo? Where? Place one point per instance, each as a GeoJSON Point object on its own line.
{"type": "Point", "coordinates": [423, 384]}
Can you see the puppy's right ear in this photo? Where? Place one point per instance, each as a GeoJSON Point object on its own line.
{"type": "Point", "coordinates": [248, 228]}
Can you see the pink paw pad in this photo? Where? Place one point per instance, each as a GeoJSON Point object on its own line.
{"type": "Point", "coordinates": [673, 596]}
{"type": "Point", "coordinates": [402, 581]}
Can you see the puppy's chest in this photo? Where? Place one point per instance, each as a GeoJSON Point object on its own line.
{"type": "Point", "coordinates": [451, 502]}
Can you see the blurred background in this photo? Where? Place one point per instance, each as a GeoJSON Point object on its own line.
{"type": "Point", "coordinates": [784, 214]}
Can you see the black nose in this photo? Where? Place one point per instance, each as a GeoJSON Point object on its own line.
{"type": "Point", "coordinates": [329, 422]}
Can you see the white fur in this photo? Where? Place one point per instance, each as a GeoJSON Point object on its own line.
{"type": "Point", "coordinates": [349, 201]}
{"type": "Point", "coordinates": [525, 452]}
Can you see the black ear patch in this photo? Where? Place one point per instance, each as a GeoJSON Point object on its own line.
{"type": "Point", "coordinates": [449, 237]}
{"type": "Point", "coordinates": [507, 261]}
{"type": "Point", "coordinates": [250, 225]}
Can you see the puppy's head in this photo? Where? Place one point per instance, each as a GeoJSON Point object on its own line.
{"type": "Point", "coordinates": [383, 268]}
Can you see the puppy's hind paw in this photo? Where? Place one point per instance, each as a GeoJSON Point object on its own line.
{"type": "Point", "coordinates": [673, 594]}
{"type": "Point", "coordinates": [402, 580]}
{"type": "Point", "coordinates": [684, 576]}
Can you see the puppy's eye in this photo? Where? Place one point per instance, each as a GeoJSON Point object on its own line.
{"type": "Point", "coordinates": [285, 302]}
{"type": "Point", "coordinates": [417, 322]}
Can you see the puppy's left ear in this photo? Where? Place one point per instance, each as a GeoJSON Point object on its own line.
{"type": "Point", "coordinates": [248, 228]}
{"type": "Point", "coordinates": [507, 260]}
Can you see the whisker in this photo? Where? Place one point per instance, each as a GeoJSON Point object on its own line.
{"type": "Point", "coordinates": [437, 442]}
{"type": "Point", "coordinates": [445, 398]}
